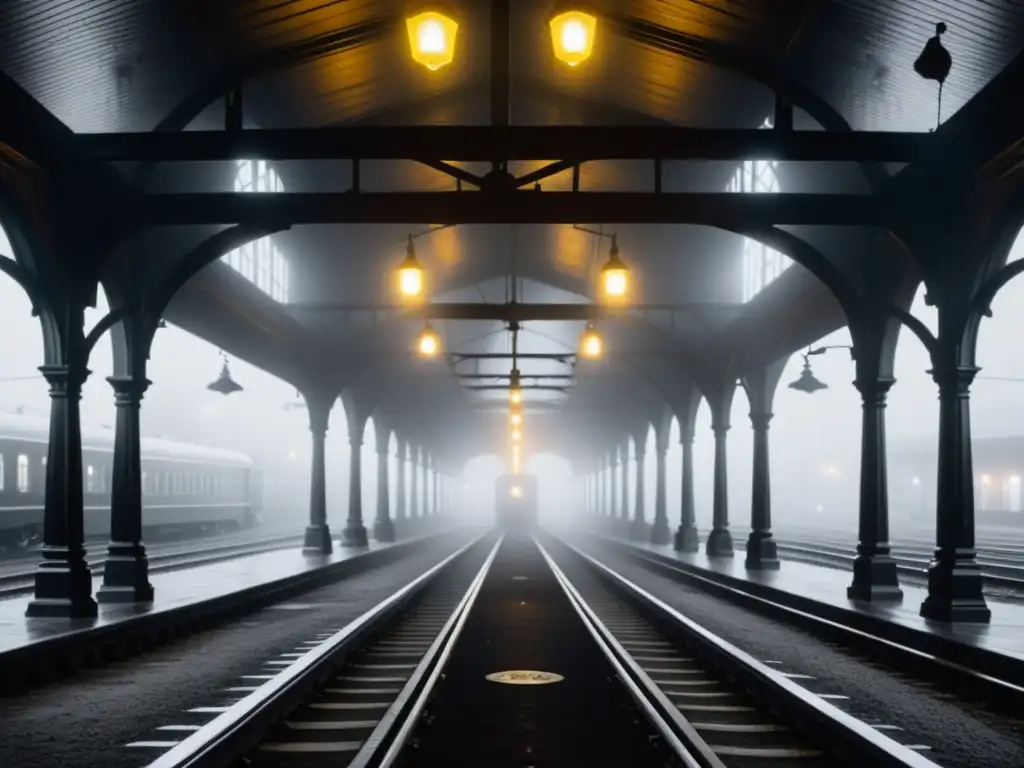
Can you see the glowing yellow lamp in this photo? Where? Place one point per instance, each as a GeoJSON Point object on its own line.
{"type": "Point", "coordinates": [517, 435]}
{"type": "Point", "coordinates": [411, 275]}
{"type": "Point", "coordinates": [432, 39]}
{"type": "Point", "coordinates": [515, 396]}
{"type": "Point", "coordinates": [591, 345]}
{"type": "Point", "coordinates": [516, 492]}
{"type": "Point", "coordinates": [517, 419]}
{"type": "Point", "coordinates": [572, 36]}
{"type": "Point", "coordinates": [615, 275]}
{"type": "Point", "coordinates": [428, 344]}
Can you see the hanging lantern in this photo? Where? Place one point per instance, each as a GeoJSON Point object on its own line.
{"type": "Point", "coordinates": [808, 382]}
{"type": "Point", "coordinates": [572, 36]}
{"type": "Point", "coordinates": [934, 62]}
{"type": "Point", "coordinates": [615, 275]}
{"type": "Point", "coordinates": [224, 384]}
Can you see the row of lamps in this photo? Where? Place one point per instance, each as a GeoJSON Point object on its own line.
{"type": "Point", "coordinates": [432, 38]}
{"type": "Point", "coordinates": [411, 287]}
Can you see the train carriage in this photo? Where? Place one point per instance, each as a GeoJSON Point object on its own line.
{"type": "Point", "coordinates": [516, 501]}
{"type": "Point", "coordinates": [183, 486]}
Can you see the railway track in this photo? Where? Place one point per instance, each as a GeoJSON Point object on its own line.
{"type": "Point", "coordinates": [1002, 566]}
{"type": "Point", "coordinates": [598, 672]}
{"type": "Point", "coordinates": [20, 580]}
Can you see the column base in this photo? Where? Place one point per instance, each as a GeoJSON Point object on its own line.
{"type": "Point", "coordinates": [63, 586]}
{"type": "Point", "coordinates": [639, 530]}
{"type": "Point", "coordinates": [687, 539]}
{"type": "Point", "coordinates": [955, 590]}
{"type": "Point", "coordinates": [354, 535]}
{"type": "Point", "coordinates": [719, 543]}
{"type": "Point", "coordinates": [125, 575]}
{"type": "Point", "coordinates": [762, 554]}
{"type": "Point", "coordinates": [875, 578]}
{"type": "Point", "coordinates": [660, 534]}
{"type": "Point", "coordinates": [384, 530]}
{"type": "Point", "coordinates": [318, 540]}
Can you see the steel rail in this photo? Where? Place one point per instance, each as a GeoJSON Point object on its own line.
{"type": "Point", "coordinates": [838, 727]}
{"type": "Point", "coordinates": [687, 745]}
{"type": "Point", "coordinates": [384, 745]}
{"type": "Point", "coordinates": [23, 582]}
{"type": "Point", "coordinates": [232, 733]}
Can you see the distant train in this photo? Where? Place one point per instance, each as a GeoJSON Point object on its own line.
{"type": "Point", "coordinates": [183, 486]}
{"type": "Point", "coordinates": [515, 502]}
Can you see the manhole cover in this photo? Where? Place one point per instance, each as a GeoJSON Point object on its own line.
{"type": "Point", "coordinates": [524, 677]}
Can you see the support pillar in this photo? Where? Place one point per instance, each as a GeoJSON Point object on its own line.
{"type": "Point", "coordinates": [318, 534]}
{"type": "Point", "coordinates": [660, 533]}
{"type": "Point", "coordinates": [624, 499]}
{"type": "Point", "coordinates": [874, 571]}
{"type": "Point", "coordinates": [354, 534]}
{"type": "Point", "coordinates": [687, 539]}
{"type": "Point", "coordinates": [415, 510]}
{"type": "Point", "coordinates": [719, 542]}
{"type": "Point", "coordinates": [383, 528]}
{"type": "Point", "coordinates": [63, 581]}
{"type": "Point", "coordinates": [400, 501]}
{"type": "Point", "coordinates": [126, 570]}
{"type": "Point", "coordinates": [954, 576]}
{"type": "Point", "coordinates": [639, 529]}
{"type": "Point", "coordinates": [437, 489]}
{"type": "Point", "coordinates": [613, 501]}
{"type": "Point", "coordinates": [762, 554]}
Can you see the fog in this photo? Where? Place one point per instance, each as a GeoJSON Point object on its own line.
{"type": "Point", "coordinates": [815, 439]}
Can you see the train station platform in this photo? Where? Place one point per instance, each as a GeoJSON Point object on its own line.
{"type": "Point", "coordinates": [187, 598]}
{"type": "Point", "coordinates": [821, 591]}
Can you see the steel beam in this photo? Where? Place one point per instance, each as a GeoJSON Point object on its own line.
{"type": "Point", "coordinates": [524, 387]}
{"type": "Point", "coordinates": [723, 209]}
{"type": "Point", "coordinates": [489, 376]}
{"type": "Point", "coordinates": [519, 312]}
{"type": "Point", "coordinates": [559, 356]}
{"type": "Point", "coordinates": [483, 143]}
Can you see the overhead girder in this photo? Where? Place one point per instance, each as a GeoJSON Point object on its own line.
{"type": "Point", "coordinates": [728, 210]}
{"type": "Point", "coordinates": [519, 312]}
{"type": "Point", "coordinates": [445, 143]}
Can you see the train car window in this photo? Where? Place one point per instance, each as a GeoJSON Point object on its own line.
{"type": "Point", "coordinates": [90, 479]}
{"type": "Point", "coordinates": [23, 478]}
{"type": "Point", "coordinates": [146, 483]}
{"type": "Point", "coordinates": [176, 483]}
{"type": "Point", "coordinates": [1, 472]}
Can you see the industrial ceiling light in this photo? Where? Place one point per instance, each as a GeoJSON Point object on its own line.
{"type": "Point", "coordinates": [428, 344]}
{"type": "Point", "coordinates": [615, 275]}
{"type": "Point", "coordinates": [807, 382]}
{"type": "Point", "coordinates": [411, 275]}
{"type": "Point", "coordinates": [572, 36]}
{"type": "Point", "coordinates": [432, 39]}
{"type": "Point", "coordinates": [591, 344]}
{"type": "Point", "coordinates": [515, 391]}
{"type": "Point", "coordinates": [224, 384]}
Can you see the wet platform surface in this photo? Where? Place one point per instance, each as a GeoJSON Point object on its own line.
{"type": "Point", "coordinates": [1004, 635]}
{"type": "Point", "coordinates": [173, 589]}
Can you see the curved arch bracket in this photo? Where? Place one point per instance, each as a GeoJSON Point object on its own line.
{"type": "Point", "coordinates": [22, 277]}
{"type": "Point", "coordinates": [919, 329]}
{"type": "Point", "coordinates": [204, 254]}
